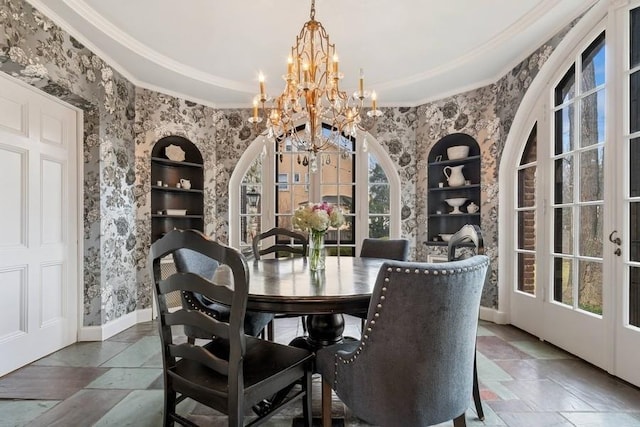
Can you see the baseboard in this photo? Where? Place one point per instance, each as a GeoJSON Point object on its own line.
{"type": "Point", "coordinates": [493, 315]}
{"type": "Point", "coordinates": [109, 329]}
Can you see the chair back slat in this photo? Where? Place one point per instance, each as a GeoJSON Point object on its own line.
{"type": "Point", "coordinates": [206, 324]}
{"type": "Point", "coordinates": [219, 292]}
{"type": "Point", "coordinates": [298, 247]}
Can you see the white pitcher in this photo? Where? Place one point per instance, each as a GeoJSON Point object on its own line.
{"type": "Point", "coordinates": [185, 183]}
{"type": "Point", "coordinates": [454, 175]}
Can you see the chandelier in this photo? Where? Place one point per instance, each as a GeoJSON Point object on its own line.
{"type": "Point", "coordinates": [312, 96]}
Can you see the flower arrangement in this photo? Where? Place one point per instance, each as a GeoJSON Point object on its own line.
{"type": "Point", "coordinates": [317, 217]}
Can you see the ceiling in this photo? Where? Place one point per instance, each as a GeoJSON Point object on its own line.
{"type": "Point", "coordinates": [411, 51]}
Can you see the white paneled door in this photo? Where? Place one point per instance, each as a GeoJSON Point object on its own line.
{"type": "Point", "coordinates": [38, 225]}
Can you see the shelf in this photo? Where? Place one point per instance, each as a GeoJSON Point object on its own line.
{"type": "Point", "coordinates": [174, 163]}
{"type": "Point", "coordinates": [449, 215]}
{"type": "Point", "coordinates": [454, 162]}
{"type": "Point", "coordinates": [441, 243]}
{"type": "Point", "coordinates": [462, 187]}
{"type": "Point", "coordinates": [177, 216]}
{"type": "Point", "coordinates": [176, 189]}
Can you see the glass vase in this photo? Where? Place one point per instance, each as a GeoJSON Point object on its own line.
{"type": "Point", "coordinates": [316, 250]}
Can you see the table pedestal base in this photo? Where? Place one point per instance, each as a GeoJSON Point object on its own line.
{"type": "Point", "coordinates": [324, 330]}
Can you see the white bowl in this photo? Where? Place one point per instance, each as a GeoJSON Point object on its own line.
{"type": "Point", "coordinates": [445, 237]}
{"type": "Point", "coordinates": [457, 152]}
{"type": "Point", "coordinates": [456, 202]}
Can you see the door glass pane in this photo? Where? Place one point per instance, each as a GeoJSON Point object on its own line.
{"type": "Point", "coordinates": [563, 180]}
{"type": "Point", "coordinates": [590, 239]}
{"type": "Point", "coordinates": [590, 286]}
{"type": "Point", "coordinates": [564, 129]}
{"type": "Point", "coordinates": [634, 229]}
{"type": "Point", "coordinates": [337, 169]}
{"type": "Point", "coordinates": [527, 230]}
{"type": "Point", "coordinates": [593, 65]}
{"type": "Point", "coordinates": [563, 281]}
{"type": "Point", "coordinates": [592, 119]}
{"type": "Point", "coordinates": [634, 296]}
{"type": "Point", "coordinates": [379, 226]}
{"type": "Point", "coordinates": [376, 173]}
{"type": "Point", "coordinates": [634, 99]}
{"type": "Point", "coordinates": [527, 273]}
{"type": "Point", "coordinates": [634, 51]}
{"type": "Point", "coordinates": [634, 170]}
{"type": "Point", "coordinates": [527, 187]}
{"type": "Point", "coordinates": [592, 175]}
{"type": "Point", "coordinates": [378, 198]}
{"type": "Point", "coordinates": [526, 236]}
{"type": "Point", "coordinates": [566, 89]}
{"type": "Point", "coordinates": [251, 203]}
{"type": "Point", "coordinates": [530, 150]}
{"type": "Point", "coordinates": [284, 221]}
{"type": "Point", "coordinates": [563, 233]}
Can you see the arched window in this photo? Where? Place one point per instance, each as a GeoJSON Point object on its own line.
{"type": "Point", "coordinates": [272, 179]}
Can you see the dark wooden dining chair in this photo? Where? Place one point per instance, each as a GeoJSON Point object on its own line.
{"type": "Point", "coordinates": [392, 249]}
{"type": "Point", "coordinates": [188, 261]}
{"type": "Point", "coordinates": [414, 362]}
{"type": "Point", "coordinates": [295, 243]}
{"type": "Point", "coordinates": [287, 243]}
{"type": "Point", "coordinates": [231, 372]}
{"type": "Point", "coordinates": [468, 242]}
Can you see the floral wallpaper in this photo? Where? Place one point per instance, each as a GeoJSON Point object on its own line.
{"type": "Point", "coordinates": [38, 52]}
{"type": "Point", "coordinates": [123, 122]}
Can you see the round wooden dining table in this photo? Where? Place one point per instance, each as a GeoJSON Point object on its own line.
{"type": "Point", "coordinates": [287, 285]}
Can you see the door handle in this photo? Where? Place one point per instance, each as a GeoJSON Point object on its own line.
{"type": "Point", "coordinates": [615, 240]}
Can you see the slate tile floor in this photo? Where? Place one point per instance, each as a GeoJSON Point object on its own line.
{"type": "Point", "coordinates": [524, 382]}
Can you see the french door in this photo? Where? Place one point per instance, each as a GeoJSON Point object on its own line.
{"type": "Point", "coordinates": [576, 281]}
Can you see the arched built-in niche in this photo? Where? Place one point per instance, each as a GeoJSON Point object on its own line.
{"type": "Point", "coordinates": [464, 183]}
{"type": "Point", "coordinates": [177, 181]}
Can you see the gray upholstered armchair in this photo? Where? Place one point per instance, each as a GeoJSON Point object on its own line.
{"type": "Point", "coordinates": [413, 365]}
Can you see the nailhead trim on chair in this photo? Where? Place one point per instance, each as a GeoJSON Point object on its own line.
{"type": "Point", "coordinates": [376, 314]}
{"type": "Point", "coordinates": [193, 306]}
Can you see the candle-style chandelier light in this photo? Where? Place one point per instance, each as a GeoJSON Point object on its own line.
{"type": "Point", "coordinates": [312, 96]}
